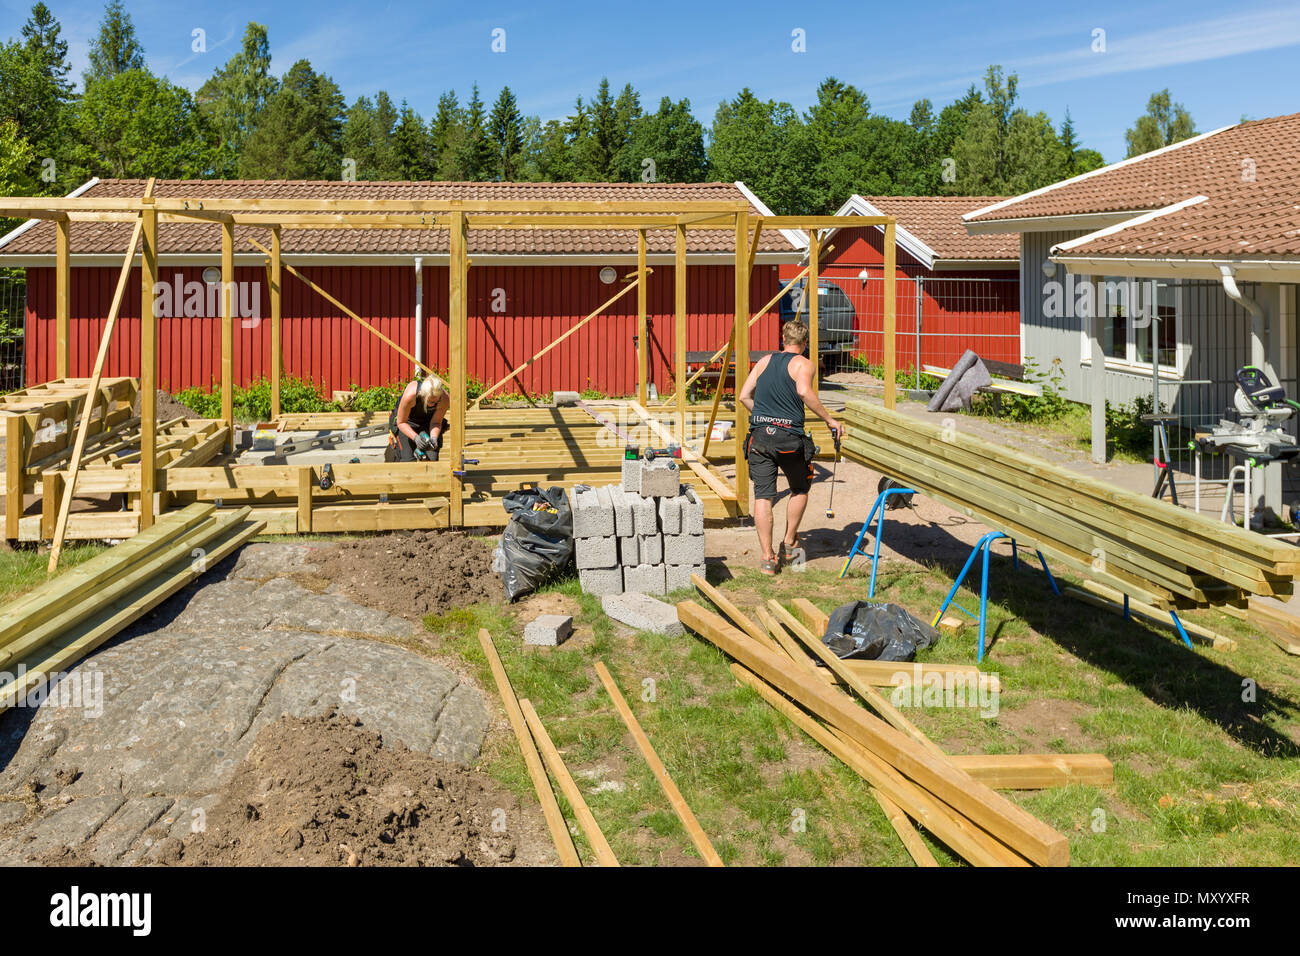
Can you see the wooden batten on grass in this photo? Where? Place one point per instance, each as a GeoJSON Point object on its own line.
{"type": "Point", "coordinates": [675, 798]}
{"type": "Point", "coordinates": [1014, 826]}
{"type": "Point", "coordinates": [536, 772]}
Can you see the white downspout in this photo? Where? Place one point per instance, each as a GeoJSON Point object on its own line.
{"type": "Point", "coordinates": [419, 312]}
{"type": "Point", "coordinates": [1258, 355]}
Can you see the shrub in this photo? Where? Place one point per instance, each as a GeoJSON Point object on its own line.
{"type": "Point", "coordinates": [1051, 406]}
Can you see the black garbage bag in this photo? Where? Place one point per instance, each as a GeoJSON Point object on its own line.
{"type": "Point", "coordinates": [538, 541]}
{"type": "Point", "coordinates": [876, 632]}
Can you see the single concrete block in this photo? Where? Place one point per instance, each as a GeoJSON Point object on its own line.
{"type": "Point", "coordinates": [593, 513]}
{"type": "Point", "coordinates": [631, 476]}
{"type": "Point", "coordinates": [601, 581]}
{"type": "Point", "coordinates": [596, 552]}
{"type": "Point", "coordinates": [652, 549]}
{"type": "Point", "coordinates": [629, 551]}
{"type": "Point", "coordinates": [644, 613]}
{"type": "Point", "coordinates": [670, 515]}
{"type": "Point", "coordinates": [692, 513]}
{"type": "Point", "coordinates": [644, 579]}
{"type": "Point", "coordinates": [679, 576]}
{"type": "Point", "coordinates": [660, 478]}
{"type": "Point", "coordinates": [566, 398]}
{"type": "Point", "coordinates": [684, 549]}
{"type": "Point", "coordinates": [623, 526]}
{"type": "Point", "coordinates": [645, 517]}
{"type": "Point", "coordinates": [548, 630]}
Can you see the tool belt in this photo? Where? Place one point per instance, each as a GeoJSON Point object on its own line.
{"type": "Point", "coordinates": [772, 439]}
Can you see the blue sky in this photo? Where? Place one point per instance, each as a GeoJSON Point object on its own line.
{"type": "Point", "coordinates": [1222, 61]}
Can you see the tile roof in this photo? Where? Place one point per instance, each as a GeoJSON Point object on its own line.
{"type": "Point", "coordinates": [1249, 174]}
{"type": "Point", "coordinates": [936, 221]}
{"type": "Point", "coordinates": [89, 238]}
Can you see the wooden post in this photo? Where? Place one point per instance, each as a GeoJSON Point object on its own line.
{"type": "Point", "coordinates": [51, 494]}
{"type": "Point", "coordinates": [13, 474]}
{"type": "Point", "coordinates": [814, 275]}
{"type": "Point", "coordinates": [228, 330]}
{"type": "Point", "coordinates": [642, 345]}
{"type": "Point", "coordinates": [457, 367]}
{"type": "Point", "coordinates": [304, 500]}
{"type": "Point", "coordinates": [742, 357]}
{"type": "Point", "coordinates": [679, 353]}
{"type": "Point", "coordinates": [277, 360]}
{"type": "Point", "coordinates": [148, 364]}
{"type": "Point", "coordinates": [890, 319]}
{"type": "Point", "coordinates": [62, 297]}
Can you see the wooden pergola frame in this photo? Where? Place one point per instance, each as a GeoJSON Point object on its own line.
{"type": "Point", "coordinates": [458, 217]}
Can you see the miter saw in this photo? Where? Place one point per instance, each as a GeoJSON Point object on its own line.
{"type": "Point", "coordinates": [1253, 426]}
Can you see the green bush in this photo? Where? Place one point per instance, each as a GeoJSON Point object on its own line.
{"type": "Point", "coordinates": [253, 403]}
{"type": "Point", "coordinates": [377, 398]}
{"type": "Point", "coordinates": [1125, 430]}
{"type": "Point", "coordinates": [1051, 406]}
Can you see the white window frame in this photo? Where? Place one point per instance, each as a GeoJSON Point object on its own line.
{"type": "Point", "coordinates": [1130, 363]}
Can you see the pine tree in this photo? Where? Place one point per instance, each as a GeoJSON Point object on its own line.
{"type": "Point", "coordinates": [474, 155]}
{"type": "Point", "coordinates": [42, 37]}
{"type": "Point", "coordinates": [116, 49]}
{"type": "Point", "coordinates": [505, 132]}
{"type": "Point", "coordinates": [411, 146]}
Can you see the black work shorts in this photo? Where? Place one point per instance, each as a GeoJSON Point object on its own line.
{"type": "Point", "coordinates": [770, 449]}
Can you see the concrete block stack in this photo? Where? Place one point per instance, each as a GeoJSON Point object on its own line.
{"type": "Point", "coordinates": [644, 536]}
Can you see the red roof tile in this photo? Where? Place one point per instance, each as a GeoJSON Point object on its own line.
{"type": "Point", "coordinates": [936, 221]}
{"type": "Point", "coordinates": [201, 238]}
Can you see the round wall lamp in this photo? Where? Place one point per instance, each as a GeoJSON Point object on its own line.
{"type": "Point", "coordinates": [608, 275]}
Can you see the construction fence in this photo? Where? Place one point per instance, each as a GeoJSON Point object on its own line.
{"type": "Point", "coordinates": [13, 310]}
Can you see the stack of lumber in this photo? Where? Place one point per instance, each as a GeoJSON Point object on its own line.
{"type": "Point", "coordinates": [48, 629]}
{"type": "Point", "coordinates": [949, 796]}
{"type": "Point", "coordinates": [1147, 548]}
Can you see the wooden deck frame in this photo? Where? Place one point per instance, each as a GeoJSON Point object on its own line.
{"type": "Point", "coordinates": [458, 217]}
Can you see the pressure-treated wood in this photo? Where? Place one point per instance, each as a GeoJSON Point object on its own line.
{"type": "Point", "coordinates": [457, 327]}
{"type": "Point", "coordinates": [1009, 823]}
{"type": "Point", "coordinates": [742, 358]}
{"type": "Point", "coordinates": [277, 312]}
{"type": "Point", "coordinates": [814, 303]}
{"type": "Point", "coordinates": [1037, 771]}
{"type": "Point", "coordinates": [679, 339]}
{"type": "Point", "coordinates": [92, 391]}
{"type": "Point", "coordinates": [674, 795]}
{"type": "Point", "coordinates": [642, 328]}
{"type": "Point", "coordinates": [536, 772]}
{"type": "Point", "coordinates": [912, 841]}
{"type": "Point", "coordinates": [62, 295]}
{"type": "Point", "coordinates": [551, 756]}
{"type": "Point", "coordinates": [737, 616]}
{"type": "Point", "coordinates": [890, 322]}
{"type": "Point", "coordinates": [228, 324]}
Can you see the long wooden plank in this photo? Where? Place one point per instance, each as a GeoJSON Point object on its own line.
{"type": "Point", "coordinates": [1012, 825]}
{"type": "Point", "coordinates": [737, 616]}
{"type": "Point", "coordinates": [101, 357]}
{"type": "Point", "coordinates": [545, 795]}
{"type": "Point", "coordinates": [912, 841]}
{"type": "Point", "coordinates": [963, 837]}
{"type": "Point", "coordinates": [1037, 771]}
{"type": "Point", "coordinates": [716, 483]}
{"type": "Point", "coordinates": [674, 795]}
{"type": "Point", "coordinates": [551, 756]}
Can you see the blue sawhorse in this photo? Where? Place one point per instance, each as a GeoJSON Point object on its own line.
{"type": "Point", "coordinates": [984, 545]}
{"type": "Point", "coordinates": [1178, 625]}
{"type": "Point", "coordinates": [877, 512]}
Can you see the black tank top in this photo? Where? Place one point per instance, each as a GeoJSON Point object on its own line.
{"type": "Point", "coordinates": [421, 418]}
{"type": "Point", "coordinates": [776, 400]}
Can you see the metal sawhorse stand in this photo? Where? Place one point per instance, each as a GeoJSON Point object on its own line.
{"type": "Point", "coordinates": [877, 512]}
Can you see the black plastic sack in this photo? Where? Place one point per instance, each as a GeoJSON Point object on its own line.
{"type": "Point", "coordinates": [876, 632]}
{"type": "Point", "coordinates": [538, 541]}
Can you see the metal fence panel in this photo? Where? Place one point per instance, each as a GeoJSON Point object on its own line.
{"type": "Point", "coordinates": [13, 315]}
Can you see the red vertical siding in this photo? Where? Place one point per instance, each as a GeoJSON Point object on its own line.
{"type": "Point", "coordinates": [324, 346]}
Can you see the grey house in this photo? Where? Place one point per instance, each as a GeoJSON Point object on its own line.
{"type": "Point", "coordinates": [1192, 253]}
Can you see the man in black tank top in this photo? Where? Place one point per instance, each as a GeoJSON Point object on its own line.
{"type": "Point", "coordinates": [775, 393]}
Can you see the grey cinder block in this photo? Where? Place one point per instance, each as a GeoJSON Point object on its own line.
{"type": "Point", "coordinates": [684, 548]}
{"type": "Point", "coordinates": [596, 552]}
{"type": "Point", "coordinates": [601, 581]}
{"type": "Point", "coordinates": [629, 551]}
{"type": "Point", "coordinates": [670, 515]}
{"type": "Point", "coordinates": [679, 576]}
{"type": "Point", "coordinates": [645, 516]}
{"type": "Point", "coordinates": [593, 513]}
{"type": "Point", "coordinates": [652, 549]}
{"type": "Point", "coordinates": [631, 475]}
{"type": "Point", "coordinates": [623, 526]}
{"type": "Point", "coordinates": [692, 513]}
{"type": "Point", "coordinates": [548, 630]}
{"type": "Point", "coordinates": [644, 613]}
{"type": "Point", "coordinates": [644, 579]}
{"type": "Point", "coordinates": [659, 478]}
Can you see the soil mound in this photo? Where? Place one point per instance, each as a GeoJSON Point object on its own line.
{"type": "Point", "coordinates": [412, 573]}
{"type": "Point", "coordinates": [166, 407]}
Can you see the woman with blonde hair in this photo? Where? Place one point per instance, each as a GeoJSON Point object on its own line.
{"type": "Point", "coordinates": [419, 421]}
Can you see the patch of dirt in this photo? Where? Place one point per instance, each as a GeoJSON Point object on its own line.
{"type": "Point", "coordinates": [327, 792]}
{"type": "Point", "coordinates": [1047, 718]}
{"type": "Point", "coordinates": [412, 573]}
{"type": "Point", "coordinates": [166, 407]}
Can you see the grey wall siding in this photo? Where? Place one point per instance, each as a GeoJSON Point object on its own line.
{"type": "Point", "coordinates": [1214, 339]}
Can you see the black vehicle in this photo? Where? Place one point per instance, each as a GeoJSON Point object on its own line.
{"type": "Point", "coordinates": [835, 315]}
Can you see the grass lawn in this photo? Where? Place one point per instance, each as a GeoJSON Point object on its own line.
{"type": "Point", "coordinates": [24, 568]}
{"type": "Point", "coordinates": [1202, 775]}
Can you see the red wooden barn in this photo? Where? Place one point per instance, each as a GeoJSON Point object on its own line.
{"type": "Point", "coordinates": [966, 289]}
{"type": "Point", "coordinates": [526, 288]}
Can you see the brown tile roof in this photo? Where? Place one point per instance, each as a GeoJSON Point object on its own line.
{"type": "Point", "coordinates": [1245, 215]}
{"type": "Point", "coordinates": [201, 238]}
{"type": "Point", "coordinates": [936, 221]}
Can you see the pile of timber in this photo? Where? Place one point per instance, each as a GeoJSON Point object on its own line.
{"type": "Point", "coordinates": [48, 629]}
{"type": "Point", "coordinates": [952, 797]}
{"type": "Point", "coordinates": [1147, 548]}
